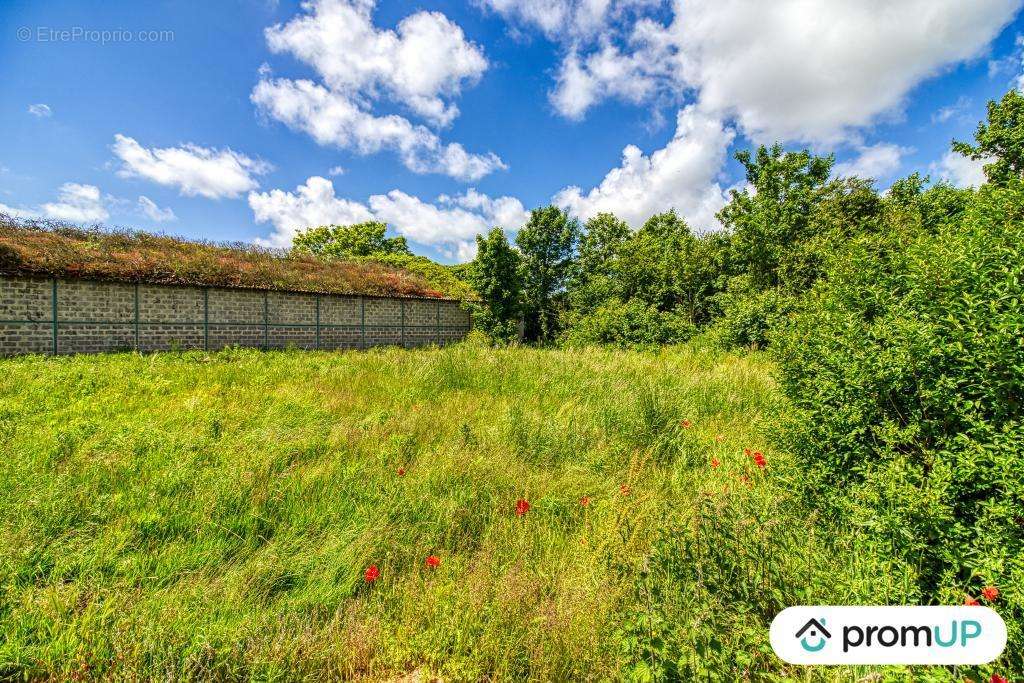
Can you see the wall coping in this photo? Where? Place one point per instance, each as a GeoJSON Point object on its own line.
{"type": "Point", "coordinates": [236, 288]}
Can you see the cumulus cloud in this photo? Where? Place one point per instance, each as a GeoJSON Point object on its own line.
{"type": "Point", "coordinates": [311, 205]}
{"type": "Point", "coordinates": [148, 208]}
{"type": "Point", "coordinates": [774, 71]}
{"type": "Point", "coordinates": [422, 66]}
{"type": "Point", "coordinates": [75, 203]}
{"type": "Point", "coordinates": [451, 224]}
{"type": "Point", "coordinates": [40, 110]}
{"type": "Point", "coordinates": [426, 60]}
{"type": "Point", "coordinates": [194, 170]}
{"type": "Point", "coordinates": [609, 72]}
{"type": "Point", "coordinates": [877, 161]}
{"type": "Point", "coordinates": [787, 73]}
{"type": "Point", "coordinates": [782, 70]}
{"type": "Point", "coordinates": [331, 118]}
{"type": "Point", "coordinates": [682, 175]}
{"type": "Point", "coordinates": [959, 170]}
{"type": "Point", "coordinates": [571, 20]}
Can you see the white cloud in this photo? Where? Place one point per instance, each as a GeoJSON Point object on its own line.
{"type": "Point", "coordinates": [76, 204]}
{"type": "Point", "coordinates": [424, 62]}
{"type": "Point", "coordinates": [331, 118]}
{"type": "Point", "coordinates": [311, 205]}
{"type": "Point", "coordinates": [194, 170]}
{"type": "Point", "coordinates": [877, 162]}
{"type": "Point", "coordinates": [40, 110]}
{"type": "Point", "coordinates": [786, 70]}
{"type": "Point", "coordinates": [150, 210]}
{"type": "Point", "coordinates": [682, 175]}
{"type": "Point", "coordinates": [451, 224]}
{"type": "Point", "coordinates": [957, 109]}
{"type": "Point", "coordinates": [15, 212]}
{"type": "Point", "coordinates": [789, 71]}
{"type": "Point", "coordinates": [336, 171]}
{"type": "Point", "coordinates": [959, 170]}
{"type": "Point", "coordinates": [609, 72]}
{"type": "Point", "coordinates": [422, 65]}
{"type": "Point", "coordinates": [505, 212]}
{"type": "Point", "coordinates": [568, 20]}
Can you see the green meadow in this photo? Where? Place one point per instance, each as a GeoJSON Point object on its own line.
{"type": "Point", "coordinates": [213, 516]}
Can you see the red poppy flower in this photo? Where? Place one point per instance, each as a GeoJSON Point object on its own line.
{"type": "Point", "coordinates": [624, 489]}
{"type": "Point", "coordinates": [715, 463]}
{"type": "Point", "coordinates": [990, 593]}
{"type": "Point", "coordinates": [996, 678]}
{"type": "Point", "coordinates": [585, 501]}
{"type": "Point", "coordinates": [522, 507]}
{"type": "Point", "coordinates": [686, 424]}
{"type": "Point", "coordinates": [759, 460]}
{"type": "Point", "coordinates": [372, 573]}
{"type": "Point", "coordinates": [971, 602]}
{"type": "Point", "coordinates": [433, 561]}
{"type": "Point", "coordinates": [401, 471]}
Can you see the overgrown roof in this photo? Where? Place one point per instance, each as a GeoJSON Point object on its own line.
{"type": "Point", "coordinates": [59, 250]}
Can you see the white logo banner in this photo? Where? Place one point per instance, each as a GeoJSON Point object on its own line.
{"type": "Point", "coordinates": [888, 635]}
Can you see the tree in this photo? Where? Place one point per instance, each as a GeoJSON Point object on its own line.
{"type": "Point", "coordinates": [337, 241]}
{"type": "Point", "coordinates": [604, 234]}
{"type": "Point", "coordinates": [548, 244]}
{"type": "Point", "coordinates": [496, 275]}
{"type": "Point", "coordinates": [766, 224]}
{"type": "Point", "coordinates": [592, 282]}
{"type": "Point", "coordinates": [1001, 140]}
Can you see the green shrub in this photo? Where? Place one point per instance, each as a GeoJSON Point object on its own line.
{"type": "Point", "coordinates": [747, 314]}
{"type": "Point", "coordinates": [630, 324]}
{"type": "Point", "coordinates": [906, 367]}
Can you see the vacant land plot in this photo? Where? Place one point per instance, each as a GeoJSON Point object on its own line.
{"type": "Point", "coordinates": [593, 515]}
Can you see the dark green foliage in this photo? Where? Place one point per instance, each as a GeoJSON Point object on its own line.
{"type": "Point", "coordinates": [747, 314]}
{"type": "Point", "coordinates": [342, 241]}
{"type": "Point", "coordinates": [906, 367]}
{"type": "Point", "coordinates": [766, 224]}
{"type": "Point", "coordinates": [496, 275]}
{"type": "Point", "coordinates": [1000, 140]}
{"type": "Point", "coordinates": [630, 324]}
{"type": "Point", "coordinates": [548, 245]}
{"type": "Point", "coordinates": [600, 243]}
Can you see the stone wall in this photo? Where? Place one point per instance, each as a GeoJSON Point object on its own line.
{"type": "Point", "coordinates": [94, 317]}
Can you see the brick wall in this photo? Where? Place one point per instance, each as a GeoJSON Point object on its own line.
{"type": "Point", "coordinates": [94, 317]}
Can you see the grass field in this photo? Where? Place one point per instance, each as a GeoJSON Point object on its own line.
{"type": "Point", "coordinates": [187, 516]}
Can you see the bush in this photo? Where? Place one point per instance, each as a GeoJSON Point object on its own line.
{"type": "Point", "coordinates": [630, 324]}
{"type": "Point", "coordinates": [906, 367]}
{"type": "Point", "coordinates": [747, 314]}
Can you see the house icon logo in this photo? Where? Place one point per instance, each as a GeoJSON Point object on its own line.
{"type": "Point", "coordinates": [815, 631]}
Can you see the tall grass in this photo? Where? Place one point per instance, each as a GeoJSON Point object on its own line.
{"type": "Point", "coordinates": [197, 516]}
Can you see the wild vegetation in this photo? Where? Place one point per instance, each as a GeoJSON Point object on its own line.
{"type": "Point", "coordinates": [592, 513]}
{"type": "Point", "coordinates": [49, 249]}
{"type": "Point", "coordinates": [658, 440]}
{"type": "Point", "coordinates": [894, 319]}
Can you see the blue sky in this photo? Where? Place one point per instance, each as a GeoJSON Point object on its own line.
{"type": "Point", "coordinates": [244, 120]}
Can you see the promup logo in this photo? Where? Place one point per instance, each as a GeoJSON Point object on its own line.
{"type": "Point", "coordinates": [888, 635]}
{"type": "Point", "coordinates": [817, 630]}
